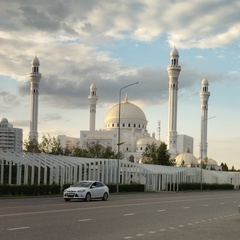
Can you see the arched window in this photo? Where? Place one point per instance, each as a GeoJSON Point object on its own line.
{"type": "Point", "coordinates": [129, 125]}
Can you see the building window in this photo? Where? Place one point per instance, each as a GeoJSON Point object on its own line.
{"type": "Point", "coordinates": [129, 125]}
{"type": "Point", "coordinates": [123, 125]}
{"type": "Point", "coordinates": [112, 124]}
{"type": "Point", "coordinates": [134, 125]}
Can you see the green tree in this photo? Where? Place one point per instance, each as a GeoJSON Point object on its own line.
{"type": "Point", "coordinates": [94, 150]}
{"type": "Point", "coordinates": [79, 152]}
{"type": "Point", "coordinates": [224, 167]}
{"type": "Point", "coordinates": [31, 146]}
{"type": "Point", "coordinates": [158, 155]}
{"type": "Point", "coordinates": [50, 145]}
{"type": "Point", "coordinates": [109, 153]}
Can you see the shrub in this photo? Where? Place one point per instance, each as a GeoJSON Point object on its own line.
{"type": "Point", "coordinates": [205, 186]}
{"type": "Point", "coordinates": [29, 190]}
{"type": "Point", "coordinates": [126, 188]}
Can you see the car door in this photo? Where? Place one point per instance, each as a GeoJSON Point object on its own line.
{"type": "Point", "coordinates": [94, 190]}
{"type": "Point", "coordinates": [101, 189]}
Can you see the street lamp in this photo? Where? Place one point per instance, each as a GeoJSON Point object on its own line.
{"type": "Point", "coordinates": [201, 147]}
{"type": "Point", "coordinates": [120, 143]}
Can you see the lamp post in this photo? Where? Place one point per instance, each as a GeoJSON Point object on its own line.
{"type": "Point", "coordinates": [120, 143]}
{"type": "Point", "coordinates": [201, 147]}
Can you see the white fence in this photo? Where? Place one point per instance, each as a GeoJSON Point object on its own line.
{"type": "Point", "coordinates": [33, 168]}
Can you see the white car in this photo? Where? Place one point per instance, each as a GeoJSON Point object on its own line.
{"type": "Point", "coordinates": [86, 190]}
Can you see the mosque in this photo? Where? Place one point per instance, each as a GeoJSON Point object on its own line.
{"type": "Point", "coordinates": [125, 124]}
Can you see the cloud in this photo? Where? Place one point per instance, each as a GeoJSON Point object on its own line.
{"type": "Point", "coordinates": [52, 117]}
{"type": "Point", "coordinates": [7, 99]}
{"type": "Point", "coordinates": [200, 57]}
{"type": "Point", "coordinates": [201, 24]}
{"type": "Point", "coordinates": [69, 40]}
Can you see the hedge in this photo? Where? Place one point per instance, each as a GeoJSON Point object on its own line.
{"type": "Point", "coordinates": [29, 190]}
{"type": "Point", "coordinates": [205, 186]}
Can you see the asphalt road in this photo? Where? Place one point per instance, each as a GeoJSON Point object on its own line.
{"type": "Point", "coordinates": [166, 215]}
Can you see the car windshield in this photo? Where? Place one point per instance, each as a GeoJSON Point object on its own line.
{"type": "Point", "coordinates": [82, 184]}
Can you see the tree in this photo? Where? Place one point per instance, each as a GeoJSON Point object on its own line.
{"type": "Point", "coordinates": [224, 167]}
{"type": "Point", "coordinates": [95, 150]}
{"type": "Point", "coordinates": [79, 152]}
{"type": "Point", "coordinates": [51, 145]}
{"type": "Point", "coordinates": [31, 146]}
{"type": "Point", "coordinates": [158, 155]}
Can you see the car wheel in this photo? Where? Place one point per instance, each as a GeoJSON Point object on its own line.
{"type": "Point", "coordinates": [66, 199]}
{"type": "Point", "coordinates": [88, 197]}
{"type": "Point", "coordinates": [105, 197]}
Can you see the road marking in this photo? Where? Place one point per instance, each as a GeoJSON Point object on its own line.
{"type": "Point", "coordinates": [189, 224]}
{"type": "Point", "coordinates": [140, 235]}
{"type": "Point", "coordinates": [152, 232]}
{"type": "Point", "coordinates": [162, 210]}
{"type": "Point", "coordinates": [84, 220]}
{"type": "Point", "coordinates": [186, 207]}
{"type": "Point", "coordinates": [20, 228]}
{"type": "Point", "coordinates": [172, 228]}
{"type": "Point", "coordinates": [128, 214]}
{"type": "Point", "coordinates": [113, 206]}
{"type": "Point", "coordinates": [162, 229]}
{"type": "Point", "coordinates": [127, 237]}
{"type": "Point", "coordinates": [180, 226]}
{"type": "Point", "coordinates": [206, 205]}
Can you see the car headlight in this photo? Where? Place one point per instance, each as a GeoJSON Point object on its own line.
{"type": "Point", "coordinates": [81, 191]}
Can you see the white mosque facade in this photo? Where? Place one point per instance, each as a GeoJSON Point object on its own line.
{"type": "Point", "coordinates": [134, 135]}
{"type": "Point", "coordinates": [133, 131]}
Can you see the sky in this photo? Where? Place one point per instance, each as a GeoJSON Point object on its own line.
{"type": "Point", "coordinates": [116, 43]}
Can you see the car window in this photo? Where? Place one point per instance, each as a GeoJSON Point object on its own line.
{"type": "Point", "coordinates": [94, 184]}
{"type": "Point", "coordinates": [99, 184]}
{"type": "Point", "coordinates": [82, 184]}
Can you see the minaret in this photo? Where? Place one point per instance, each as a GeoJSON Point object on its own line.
{"type": "Point", "coordinates": [173, 73]}
{"type": "Point", "coordinates": [34, 78]}
{"type": "Point", "coordinates": [92, 98]}
{"type": "Point", "coordinates": [204, 95]}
